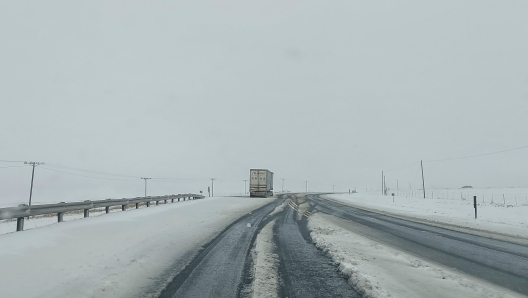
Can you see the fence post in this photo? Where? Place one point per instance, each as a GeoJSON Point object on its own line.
{"type": "Point", "coordinates": [123, 207]}
{"type": "Point", "coordinates": [148, 204]}
{"type": "Point", "coordinates": [165, 202]}
{"type": "Point", "coordinates": [107, 209]}
{"type": "Point", "coordinates": [86, 212]}
{"type": "Point", "coordinates": [172, 200]}
{"type": "Point", "coordinates": [60, 217]}
{"type": "Point", "coordinates": [20, 224]}
{"type": "Point", "coordinates": [475, 205]}
{"type": "Point", "coordinates": [137, 205]}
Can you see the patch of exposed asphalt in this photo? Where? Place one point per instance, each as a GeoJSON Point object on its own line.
{"type": "Point", "coordinates": [304, 270]}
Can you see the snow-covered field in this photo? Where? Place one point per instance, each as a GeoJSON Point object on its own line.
{"type": "Point", "coordinates": [378, 270]}
{"type": "Point", "coordinates": [512, 196]}
{"type": "Point", "coordinates": [125, 254]}
{"type": "Point", "coordinates": [458, 213]}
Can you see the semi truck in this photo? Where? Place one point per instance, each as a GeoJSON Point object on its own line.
{"type": "Point", "coordinates": [260, 183]}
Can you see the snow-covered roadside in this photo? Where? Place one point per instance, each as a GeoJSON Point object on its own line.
{"type": "Point", "coordinates": [456, 213]}
{"type": "Point", "coordinates": [266, 264]}
{"type": "Point", "coordinates": [378, 270]}
{"type": "Point", "coordinates": [126, 254]}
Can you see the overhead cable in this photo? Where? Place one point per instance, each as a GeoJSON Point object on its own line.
{"type": "Point", "coordinates": [93, 177]}
{"type": "Point", "coordinates": [478, 155]}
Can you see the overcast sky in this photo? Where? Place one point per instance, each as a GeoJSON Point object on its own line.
{"type": "Point", "coordinates": [332, 92]}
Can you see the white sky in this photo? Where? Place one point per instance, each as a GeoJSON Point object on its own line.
{"type": "Point", "coordinates": [329, 92]}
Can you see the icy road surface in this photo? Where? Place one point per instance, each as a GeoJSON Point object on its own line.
{"type": "Point", "coordinates": [306, 271]}
{"type": "Point", "coordinates": [502, 263]}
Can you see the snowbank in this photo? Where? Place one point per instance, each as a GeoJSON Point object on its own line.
{"type": "Point", "coordinates": [377, 270]}
{"type": "Point", "coordinates": [266, 264]}
{"type": "Point", "coordinates": [125, 254]}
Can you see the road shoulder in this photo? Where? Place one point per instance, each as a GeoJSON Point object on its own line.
{"type": "Point", "coordinates": [371, 266]}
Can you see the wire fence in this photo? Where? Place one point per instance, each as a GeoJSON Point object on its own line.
{"type": "Point", "coordinates": [500, 197]}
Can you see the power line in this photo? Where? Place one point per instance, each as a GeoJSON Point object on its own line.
{"type": "Point", "coordinates": [94, 172]}
{"type": "Point", "coordinates": [86, 176]}
{"type": "Point", "coordinates": [457, 158]}
{"type": "Point", "coordinates": [14, 167]}
{"type": "Point", "coordinates": [181, 179]}
{"type": "Point", "coordinates": [407, 166]}
{"type": "Point", "coordinates": [478, 155]}
{"type": "Point", "coordinates": [11, 160]}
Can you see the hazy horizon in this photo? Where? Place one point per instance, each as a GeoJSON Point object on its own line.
{"type": "Point", "coordinates": [330, 93]}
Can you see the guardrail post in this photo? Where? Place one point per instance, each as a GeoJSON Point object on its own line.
{"type": "Point", "coordinates": [137, 205]}
{"type": "Point", "coordinates": [107, 209]}
{"type": "Point", "coordinates": [20, 224]}
{"type": "Point", "coordinates": [148, 204]}
{"type": "Point", "coordinates": [86, 212]}
{"type": "Point", "coordinates": [123, 207]}
{"type": "Point", "coordinates": [60, 216]}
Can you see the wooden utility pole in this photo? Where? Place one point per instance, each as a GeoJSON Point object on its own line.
{"type": "Point", "coordinates": [423, 182]}
{"type": "Point", "coordinates": [144, 178]}
{"type": "Point", "coordinates": [382, 184]}
{"type": "Point", "coordinates": [33, 164]}
{"type": "Point", "coordinates": [212, 186]}
{"type": "Point", "coordinates": [385, 186]}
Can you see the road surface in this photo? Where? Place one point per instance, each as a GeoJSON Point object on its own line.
{"type": "Point", "coordinates": [500, 262]}
{"type": "Point", "coordinates": [224, 267]}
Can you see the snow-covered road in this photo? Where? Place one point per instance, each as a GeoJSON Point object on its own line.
{"type": "Point", "coordinates": [125, 254]}
{"type": "Point", "coordinates": [310, 246]}
{"type": "Point", "coordinates": [218, 270]}
{"type": "Point", "coordinates": [499, 262]}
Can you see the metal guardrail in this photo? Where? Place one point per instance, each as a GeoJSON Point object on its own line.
{"type": "Point", "coordinates": [22, 211]}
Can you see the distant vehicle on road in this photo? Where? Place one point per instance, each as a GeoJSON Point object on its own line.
{"type": "Point", "coordinates": [260, 183]}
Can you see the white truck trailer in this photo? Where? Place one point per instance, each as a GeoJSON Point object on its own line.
{"type": "Point", "coordinates": [260, 183]}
